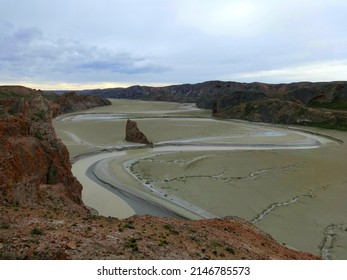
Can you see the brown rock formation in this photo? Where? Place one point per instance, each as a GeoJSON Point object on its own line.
{"type": "Point", "coordinates": [31, 154]}
{"type": "Point", "coordinates": [70, 102]}
{"type": "Point", "coordinates": [29, 234]}
{"type": "Point", "coordinates": [281, 112]}
{"type": "Point", "coordinates": [133, 134]}
{"type": "Point", "coordinates": [204, 94]}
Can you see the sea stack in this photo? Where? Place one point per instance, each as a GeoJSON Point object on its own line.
{"type": "Point", "coordinates": [133, 134]}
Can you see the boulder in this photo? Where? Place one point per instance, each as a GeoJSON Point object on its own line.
{"type": "Point", "coordinates": [133, 134]}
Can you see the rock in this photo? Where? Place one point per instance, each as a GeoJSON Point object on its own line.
{"type": "Point", "coordinates": [71, 245]}
{"type": "Point", "coordinates": [133, 134]}
{"type": "Point", "coordinates": [33, 156]}
{"type": "Point", "coordinates": [70, 102]}
{"type": "Point", "coordinates": [204, 94]}
{"type": "Point", "coordinates": [227, 101]}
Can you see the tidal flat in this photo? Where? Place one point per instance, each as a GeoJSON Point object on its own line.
{"type": "Point", "coordinates": [290, 183]}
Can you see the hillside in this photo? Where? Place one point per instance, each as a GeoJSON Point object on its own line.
{"type": "Point", "coordinates": [315, 104]}
{"type": "Point", "coordinates": [205, 93]}
{"type": "Point", "coordinates": [43, 216]}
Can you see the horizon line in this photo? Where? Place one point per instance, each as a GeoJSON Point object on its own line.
{"type": "Point", "coordinates": [108, 85]}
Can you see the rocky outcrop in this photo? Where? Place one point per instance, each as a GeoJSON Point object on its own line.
{"type": "Point", "coordinates": [283, 112]}
{"type": "Point", "coordinates": [19, 92]}
{"type": "Point", "coordinates": [228, 101]}
{"type": "Point", "coordinates": [65, 103]}
{"type": "Point", "coordinates": [205, 94]}
{"type": "Point", "coordinates": [33, 159]}
{"type": "Point", "coordinates": [59, 236]}
{"type": "Point", "coordinates": [133, 134]}
{"type": "Point", "coordinates": [222, 96]}
{"type": "Point", "coordinates": [70, 102]}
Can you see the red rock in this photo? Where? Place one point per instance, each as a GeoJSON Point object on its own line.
{"type": "Point", "coordinates": [133, 134]}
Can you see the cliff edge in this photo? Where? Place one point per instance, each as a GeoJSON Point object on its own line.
{"type": "Point", "coordinates": [133, 134]}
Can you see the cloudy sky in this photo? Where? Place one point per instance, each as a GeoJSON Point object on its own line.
{"type": "Point", "coordinates": [74, 44]}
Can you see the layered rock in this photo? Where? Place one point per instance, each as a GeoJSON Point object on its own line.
{"type": "Point", "coordinates": [70, 102]}
{"type": "Point", "coordinates": [32, 156]}
{"type": "Point", "coordinates": [133, 134]}
{"type": "Point", "coordinates": [283, 112]}
{"type": "Point", "coordinates": [204, 94]}
{"type": "Point", "coordinates": [228, 101]}
{"type": "Point", "coordinates": [299, 103]}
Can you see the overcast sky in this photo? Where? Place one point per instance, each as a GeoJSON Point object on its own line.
{"type": "Point", "coordinates": [105, 43]}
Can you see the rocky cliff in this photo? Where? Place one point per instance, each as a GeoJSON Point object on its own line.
{"type": "Point", "coordinates": [59, 104]}
{"type": "Point", "coordinates": [280, 112]}
{"type": "Point", "coordinates": [316, 104]}
{"type": "Point", "coordinates": [133, 134]}
{"type": "Point", "coordinates": [70, 102]}
{"type": "Point", "coordinates": [32, 156]}
{"type": "Point", "coordinates": [205, 94]}
{"type": "Point", "coordinates": [43, 217]}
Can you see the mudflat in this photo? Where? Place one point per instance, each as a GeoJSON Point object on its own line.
{"type": "Point", "coordinates": [290, 183]}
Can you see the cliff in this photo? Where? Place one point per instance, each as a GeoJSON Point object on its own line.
{"type": "Point", "coordinates": [280, 112]}
{"type": "Point", "coordinates": [59, 104]}
{"type": "Point", "coordinates": [32, 156]}
{"type": "Point", "coordinates": [43, 217]}
{"type": "Point", "coordinates": [70, 102]}
{"type": "Point", "coordinates": [316, 104]}
{"type": "Point", "coordinates": [133, 134]}
{"type": "Point", "coordinates": [204, 94]}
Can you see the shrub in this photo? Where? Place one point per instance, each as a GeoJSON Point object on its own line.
{"type": "Point", "coordinates": [230, 250]}
{"type": "Point", "coordinates": [5, 226]}
{"type": "Point", "coordinates": [36, 231]}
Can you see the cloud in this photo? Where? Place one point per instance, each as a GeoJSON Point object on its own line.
{"type": "Point", "coordinates": [314, 72]}
{"type": "Point", "coordinates": [163, 41]}
{"type": "Point", "coordinates": [219, 17]}
{"type": "Point", "coordinates": [28, 54]}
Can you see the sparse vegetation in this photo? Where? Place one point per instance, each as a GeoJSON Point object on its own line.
{"type": "Point", "coordinates": [126, 225]}
{"type": "Point", "coordinates": [170, 229]}
{"type": "Point", "coordinates": [335, 105]}
{"type": "Point", "coordinates": [337, 125]}
{"type": "Point", "coordinates": [5, 226]}
{"type": "Point", "coordinates": [36, 231]}
{"type": "Point", "coordinates": [230, 249]}
{"type": "Point", "coordinates": [131, 243]}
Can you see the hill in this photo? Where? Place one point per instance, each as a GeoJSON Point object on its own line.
{"type": "Point", "coordinates": [316, 104]}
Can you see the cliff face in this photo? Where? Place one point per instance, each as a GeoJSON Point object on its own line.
{"type": "Point", "coordinates": [133, 134]}
{"type": "Point", "coordinates": [304, 103]}
{"type": "Point", "coordinates": [31, 154]}
{"type": "Point", "coordinates": [281, 112]}
{"type": "Point", "coordinates": [70, 102]}
{"type": "Point", "coordinates": [205, 94]}
{"type": "Point", "coordinates": [34, 161]}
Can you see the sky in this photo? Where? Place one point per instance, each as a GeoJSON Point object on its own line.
{"type": "Point", "coordinates": [81, 44]}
